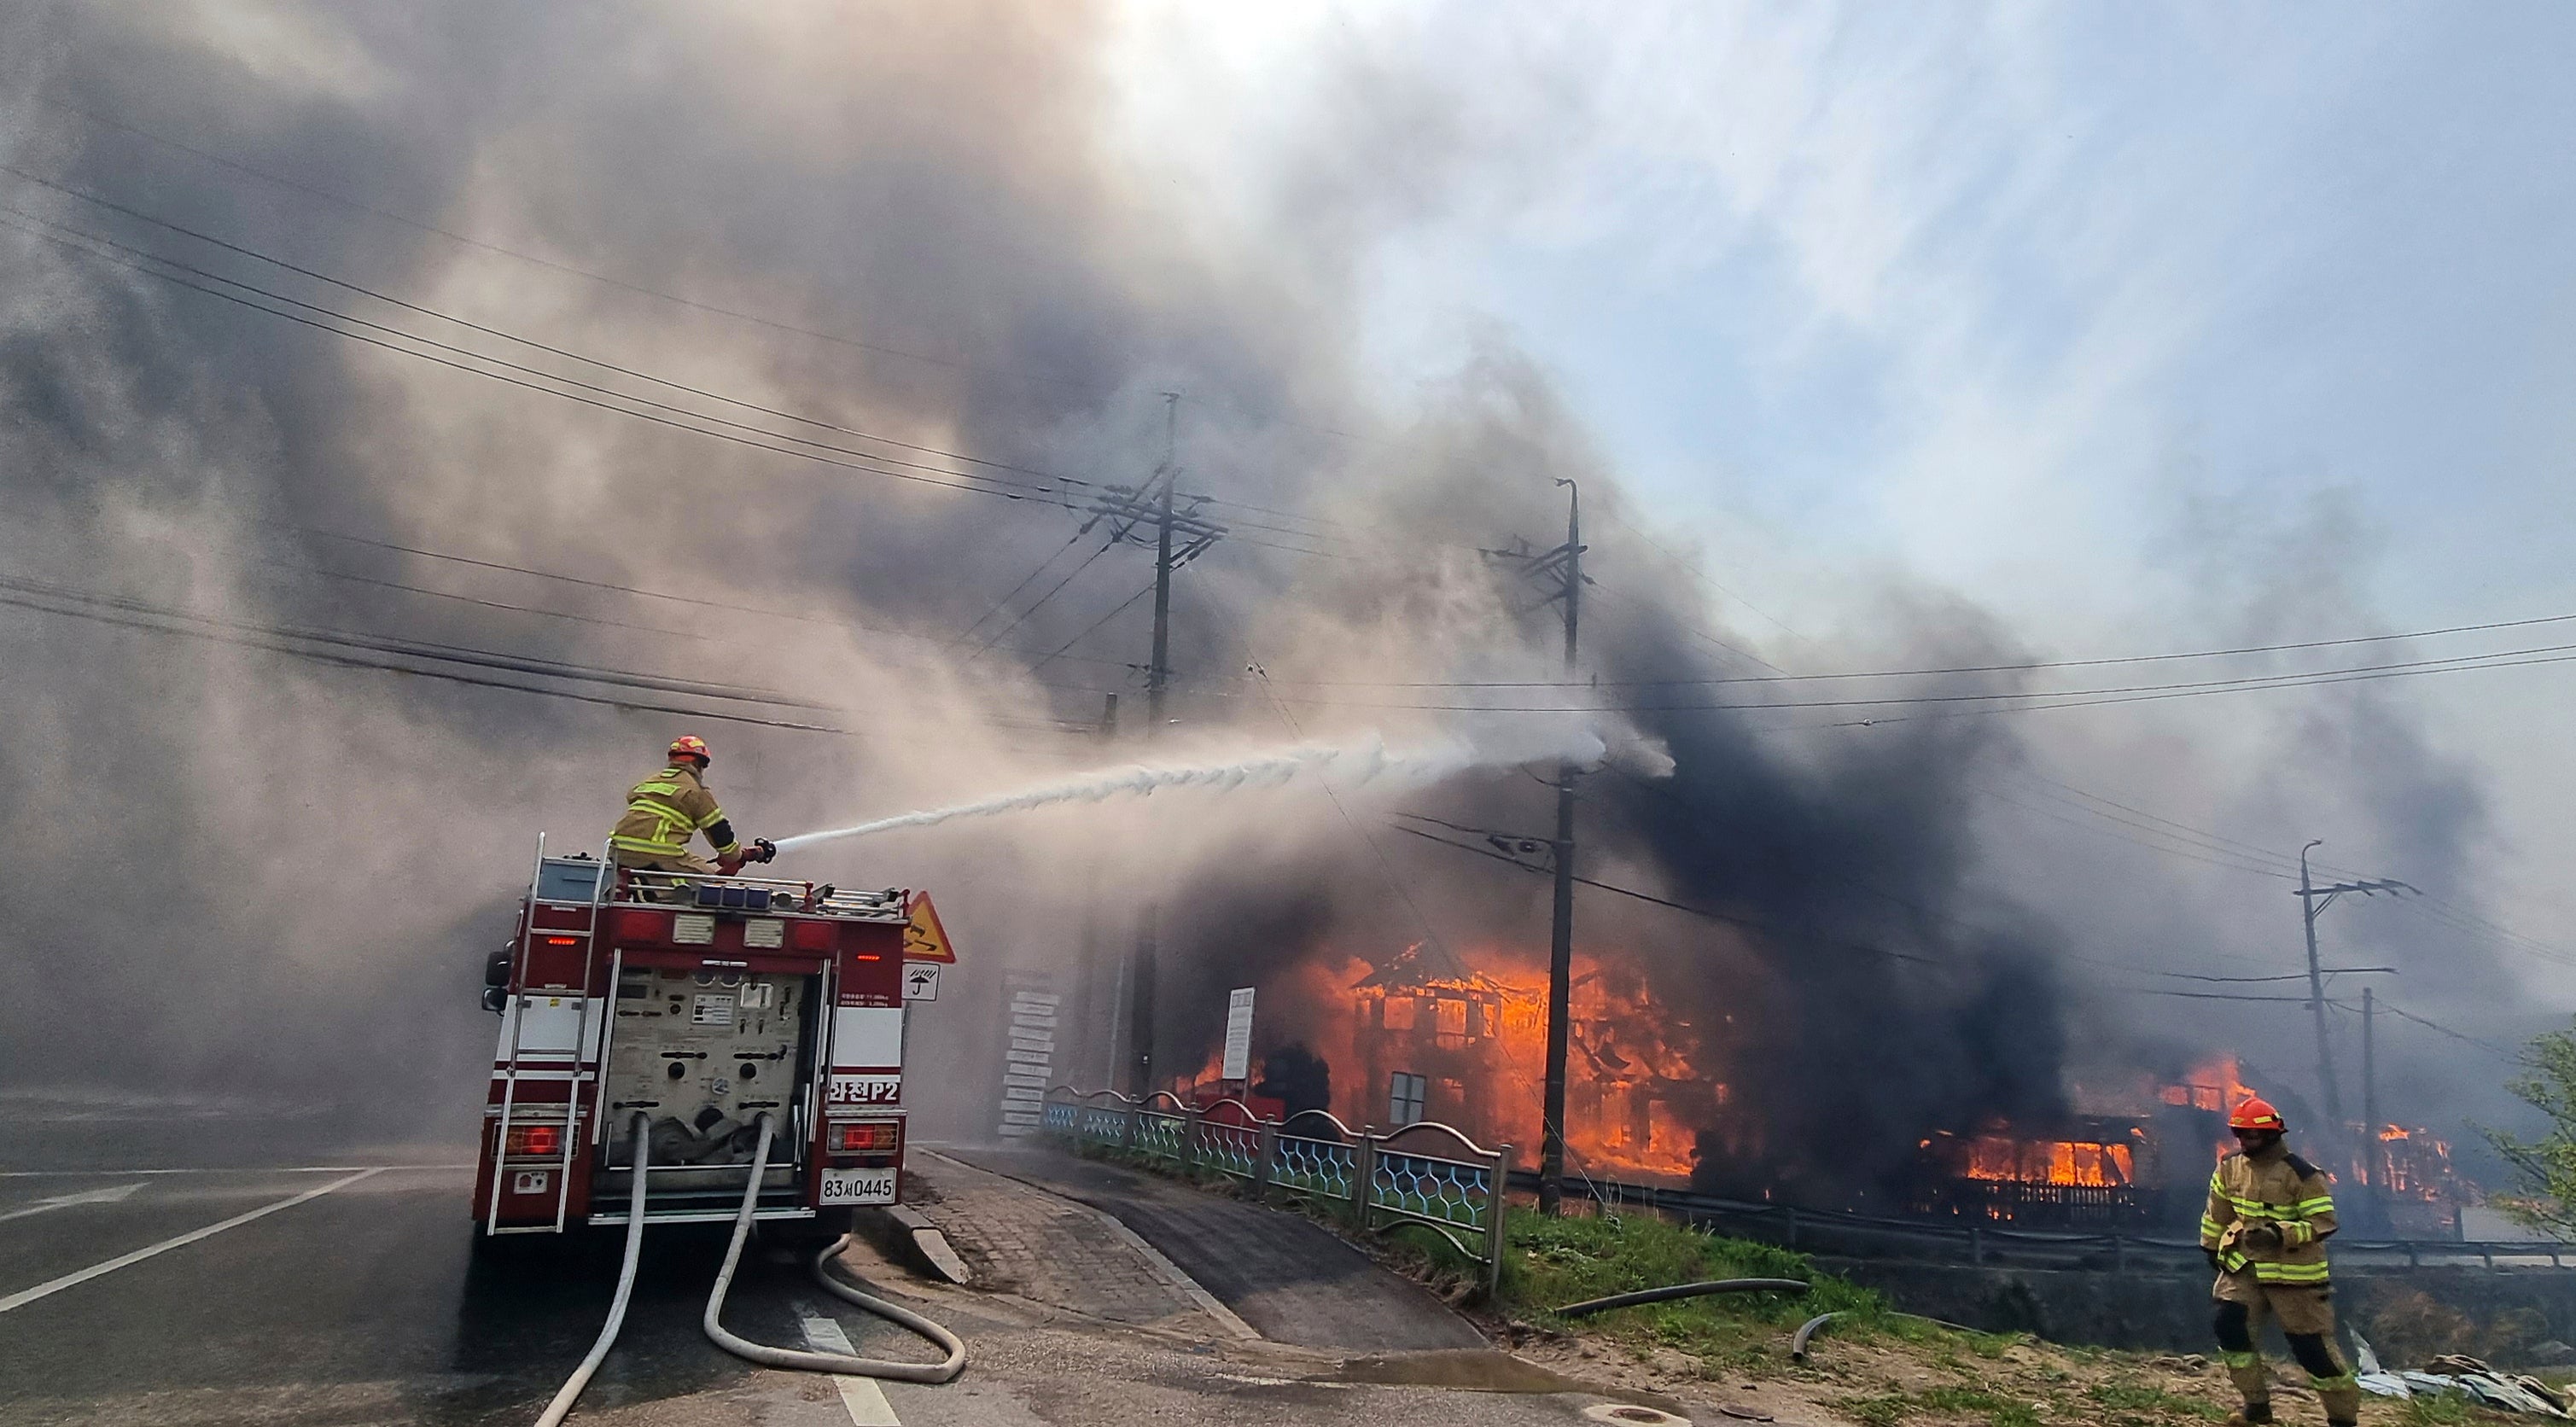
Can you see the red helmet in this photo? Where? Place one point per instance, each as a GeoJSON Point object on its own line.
{"type": "Point", "coordinates": [689, 745]}
{"type": "Point", "coordinates": [2256, 1114]}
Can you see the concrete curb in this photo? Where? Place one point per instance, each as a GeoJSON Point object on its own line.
{"type": "Point", "coordinates": [908, 1234]}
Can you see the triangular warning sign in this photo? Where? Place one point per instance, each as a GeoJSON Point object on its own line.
{"type": "Point", "coordinates": [924, 939]}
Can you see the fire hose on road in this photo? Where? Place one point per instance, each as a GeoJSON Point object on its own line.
{"type": "Point", "coordinates": [799, 1359]}
{"type": "Point", "coordinates": [794, 1359]}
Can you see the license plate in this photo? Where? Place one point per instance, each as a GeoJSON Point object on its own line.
{"type": "Point", "coordinates": [858, 1186]}
{"type": "Point", "coordinates": [866, 1090]}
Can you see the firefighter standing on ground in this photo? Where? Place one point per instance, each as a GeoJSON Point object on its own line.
{"type": "Point", "coordinates": [664, 811]}
{"type": "Point", "coordinates": [2264, 1231]}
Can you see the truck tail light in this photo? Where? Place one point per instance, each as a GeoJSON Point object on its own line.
{"type": "Point", "coordinates": [813, 936]}
{"type": "Point", "coordinates": [634, 925]}
{"type": "Point", "coordinates": [862, 1138]}
{"type": "Point", "coordinates": [533, 1142]}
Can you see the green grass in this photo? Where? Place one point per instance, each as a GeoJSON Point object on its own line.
{"type": "Point", "coordinates": [2444, 1410]}
{"type": "Point", "coordinates": [1549, 1263]}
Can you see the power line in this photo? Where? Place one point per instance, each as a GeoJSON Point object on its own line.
{"type": "Point", "coordinates": [2490, 1047]}
{"type": "Point", "coordinates": [1691, 568]}
{"type": "Point", "coordinates": [951, 363]}
{"type": "Point", "coordinates": [2071, 698]}
{"type": "Point", "coordinates": [2289, 976]}
{"type": "Point", "coordinates": [422, 649]}
{"type": "Point", "coordinates": [1114, 611]}
{"type": "Point", "coordinates": [641, 592]}
{"type": "Point", "coordinates": [741, 434]}
{"type": "Point", "coordinates": [1787, 678]}
{"type": "Point", "coordinates": [1728, 918]}
{"type": "Point", "coordinates": [889, 467]}
{"type": "Point", "coordinates": [529, 342]}
{"type": "Point", "coordinates": [2232, 866]}
{"type": "Point", "coordinates": [1014, 592]}
{"type": "Point", "coordinates": [1018, 619]}
{"type": "Point", "coordinates": [1050, 479]}
{"type": "Point", "coordinates": [364, 652]}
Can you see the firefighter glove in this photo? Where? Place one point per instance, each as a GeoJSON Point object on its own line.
{"type": "Point", "coordinates": [2261, 1236]}
{"type": "Point", "coordinates": [2214, 1265]}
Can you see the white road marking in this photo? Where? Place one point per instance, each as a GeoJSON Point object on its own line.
{"type": "Point", "coordinates": [64, 1201]}
{"type": "Point", "coordinates": [218, 1169]}
{"type": "Point", "coordinates": [865, 1400]}
{"type": "Point", "coordinates": [25, 1296]}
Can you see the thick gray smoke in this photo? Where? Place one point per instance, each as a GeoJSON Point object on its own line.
{"type": "Point", "coordinates": [249, 861]}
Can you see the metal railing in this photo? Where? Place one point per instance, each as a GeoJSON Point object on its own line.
{"type": "Point", "coordinates": [1848, 1235]}
{"type": "Point", "coordinates": [1423, 1176]}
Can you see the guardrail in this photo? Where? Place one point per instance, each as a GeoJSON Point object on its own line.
{"type": "Point", "coordinates": [1422, 1176]}
{"type": "Point", "coordinates": [1829, 1232]}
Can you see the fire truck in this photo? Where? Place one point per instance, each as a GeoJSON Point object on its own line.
{"type": "Point", "coordinates": [695, 1012]}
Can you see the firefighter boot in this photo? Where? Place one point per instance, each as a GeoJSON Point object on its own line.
{"type": "Point", "coordinates": [2253, 1384]}
{"type": "Point", "coordinates": [2342, 1399]}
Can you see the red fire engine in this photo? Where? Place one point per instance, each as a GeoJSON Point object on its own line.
{"type": "Point", "coordinates": [705, 1005]}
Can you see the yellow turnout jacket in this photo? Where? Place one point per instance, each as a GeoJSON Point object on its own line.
{"type": "Point", "coordinates": [2280, 1189]}
{"type": "Point", "coordinates": [663, 811]}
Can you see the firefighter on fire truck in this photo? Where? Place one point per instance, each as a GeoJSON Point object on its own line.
{"type": "Point", "coordinates": [2264, 1231]}
{"type": "Point", "coordinates": [663, 811]}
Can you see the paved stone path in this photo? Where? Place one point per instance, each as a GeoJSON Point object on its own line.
{"type": "Point", "coordinates": [1286, 1276]}
{"type": "Point", "coordinates": [1054, 1251]}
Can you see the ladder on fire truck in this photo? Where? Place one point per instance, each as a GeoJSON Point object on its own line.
{"type": "Point", "coordinates": [544, 1064]}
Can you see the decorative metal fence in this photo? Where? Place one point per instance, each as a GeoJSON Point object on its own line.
{"type": "Point", "coordinates": [1846, 1235]}
{"type": "Point", "coordinates": [1424, 1176]}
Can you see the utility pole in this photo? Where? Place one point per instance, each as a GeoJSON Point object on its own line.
{"type": "Point", "coordinates": [2313, 901]}
{"type": "Point", "coordinates": [2374, 1167]}
{"type": "Point", "coordinates": [1560, 931]}
{"type": "Point", "coordinates": [1565, 565]}
{"type": "Point", "coordinates": [2310, 907]}
{"type": "Point", "coordinates": [1131, 510]}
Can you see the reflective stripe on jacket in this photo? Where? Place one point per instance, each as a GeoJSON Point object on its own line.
{"type": "Point", "coordinates": [2279, 1189]}
{"type": "Point", "coordinates": [663, 811]}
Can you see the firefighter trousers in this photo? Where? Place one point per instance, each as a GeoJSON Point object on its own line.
{"type": "Point", "coordinates": [2306, 1316]}
{"type": "Point", "coordinates": [664, 889]}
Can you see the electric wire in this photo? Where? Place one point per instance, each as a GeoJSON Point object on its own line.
{"type": "Point", "coordinates": [1728, 918]}
{"type": "Point", "coordinates": [951, 363]}
{"type": "Point", "coordinates": [602, 398]}
{"type": "Point", "coordinates": [1054, 485]}
{"type": "Point", "coordinates": [467, 323]}
{"type": "Point", "coordinates": [1710, 680]}
{"type": "Point", "coordinates": [1014, 592]}
{"type": "Point", "coordinates": [2490, 1047]}
{"type": "Point", "coordinates": [2068, 698]}
{"type": "Point", "coordinates": [286, 645]}
{"type": "Point", "coordinates": [1114, 611]}
{"type": "Point", "coordinates": [424, 649]}
{"type": "Point", "coordinates": [1035, 605]}
{"type": "Point", "coordinates": [644, 593]}
{"type": "Point", "coordinates": [884, 468]}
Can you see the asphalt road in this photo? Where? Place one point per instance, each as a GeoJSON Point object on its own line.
{"type": "Point", "coordinates": [365, 1304]}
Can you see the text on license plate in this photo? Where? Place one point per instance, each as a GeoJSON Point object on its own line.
{"type": "Point", "coordinates": [858, 1186]}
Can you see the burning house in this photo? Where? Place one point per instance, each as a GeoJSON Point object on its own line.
{"type": "Point", "coordinates": [1425, 1034]}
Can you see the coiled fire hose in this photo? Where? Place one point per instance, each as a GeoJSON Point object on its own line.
{"type": "Point", "coordinates": [555, 1410]}
{"type": "Point", "coordinates": [938, 1372]}
{"type": "Point", "coordinates": [887, 1368]}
